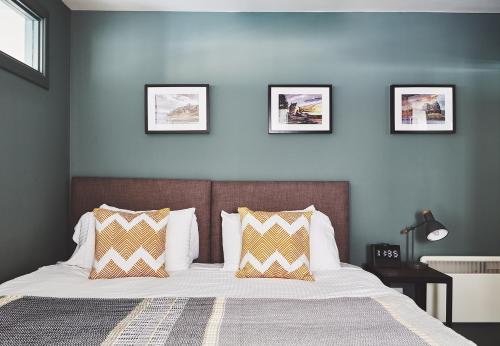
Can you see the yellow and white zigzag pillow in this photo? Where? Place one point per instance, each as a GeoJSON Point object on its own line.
{"type": "Point", "coordinates": [129, 244]}
{"type": "Point", "coordinates": [275, 244]}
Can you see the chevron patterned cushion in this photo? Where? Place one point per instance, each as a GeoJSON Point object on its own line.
{"type": "Point", "coordinates": [129, 244]}
{"type": "Point", "coordinates": [275, 245]}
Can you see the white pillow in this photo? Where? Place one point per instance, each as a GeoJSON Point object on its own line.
{"type": "Point", "coordinates": [231, 240]}
{"type": "Point", "coordinates": [182, 239]}
{"type": "Point", "coordinates": [324, 253]}
{"type": "Point", "coordinates": [194, 238]}
{"type": "Point", "coordinates": [84, 237]}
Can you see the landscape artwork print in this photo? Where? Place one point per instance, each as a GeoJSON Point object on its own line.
{"type": "Point", "coordinates": [177, 108]}
{"type": "Point", "coordinates": [174, 108]}
{"type": "Point", "coordinates": [422, 109]}
{"type": "Point", "coordinates": [300, 109]}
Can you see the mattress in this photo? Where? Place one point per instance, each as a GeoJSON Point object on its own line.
{"type": "Point", "coordinates": [209, 280]}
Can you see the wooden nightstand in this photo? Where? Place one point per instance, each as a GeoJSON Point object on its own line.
{"type": "Point", "coordinates": [419, 278]}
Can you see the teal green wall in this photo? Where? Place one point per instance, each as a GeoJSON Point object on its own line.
{"type": "Point", "coordinates": [392, 176]}
{"type": "Point", "coordinates": [34, 158]}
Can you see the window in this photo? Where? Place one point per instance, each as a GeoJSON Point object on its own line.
{"type": "Point", "coordinates": [23, 26]}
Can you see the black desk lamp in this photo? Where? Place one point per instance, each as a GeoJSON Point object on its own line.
{"type": "Point", "coordinates": [434, 231]}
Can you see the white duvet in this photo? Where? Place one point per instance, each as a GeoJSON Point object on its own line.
{"type": "Point", "coordinates": [208, 280]}
{"type": "Point", "coordinates": [200, 280]}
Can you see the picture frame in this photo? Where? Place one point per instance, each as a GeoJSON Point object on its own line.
{"type": "Point", "coordinates": [176, 108]}
{"type": "Point", "coordinates": [423, 108]}
{"type": "Point", "coordinates": [300, 108]}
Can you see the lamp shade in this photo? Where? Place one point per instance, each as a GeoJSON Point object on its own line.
{"type": "Point", "coordinates": [434, 229]}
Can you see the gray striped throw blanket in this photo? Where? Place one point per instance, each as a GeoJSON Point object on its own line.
{"type": "Point", "coordinates": [200, 321]}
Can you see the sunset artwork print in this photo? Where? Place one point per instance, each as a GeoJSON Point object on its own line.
{"type": "Point", "coordinates": [428, 109]}
{"type": "Point", "coordinates": [300, 109]}
{"type": "Point", "coordinates": [423, 109]}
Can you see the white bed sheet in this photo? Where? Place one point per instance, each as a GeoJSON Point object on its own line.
{"type": "Point", "coordinates": [209, 280]}
{"type": "Point", "coordinates": [201, 280]}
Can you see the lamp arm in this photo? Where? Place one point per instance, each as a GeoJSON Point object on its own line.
{"type": "Point", "coordinates": [407, 230]}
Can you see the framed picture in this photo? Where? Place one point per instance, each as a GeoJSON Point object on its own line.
{"type": "Point", "coordinates": [176, 108]}
{"type": "Point", "coordinates": [300, 108]}
{"type": "Point", "coordinates": [423, 109]}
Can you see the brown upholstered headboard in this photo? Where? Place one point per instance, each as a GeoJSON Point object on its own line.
{"type": "Point", "coordinates": [144, 194]}
{"type": "Point", "coordinates": [209, 198]}
{"type": "Point", "coordinates": [331, 197]}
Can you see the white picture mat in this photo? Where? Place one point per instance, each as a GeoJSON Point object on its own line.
{"type": "Point", "coordinates": [448, 97]}
{"type": "Point", "coordinates": [325, 108]}
{"type": "Point", "coordinates": [202, 107]}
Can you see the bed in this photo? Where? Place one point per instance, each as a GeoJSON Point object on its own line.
{"type": "Point", "coordinates": [58, 304]}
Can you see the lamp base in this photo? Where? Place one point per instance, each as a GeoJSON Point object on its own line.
{"type": "Point", "coordinates": [417, 265]}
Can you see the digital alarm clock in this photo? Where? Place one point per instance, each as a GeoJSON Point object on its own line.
{"type": "Point", "coordinates": [385, 255]}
